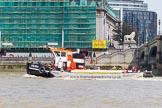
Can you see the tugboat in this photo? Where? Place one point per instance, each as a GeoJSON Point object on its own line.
{"type": "Point", "coordinates": [63, 60]}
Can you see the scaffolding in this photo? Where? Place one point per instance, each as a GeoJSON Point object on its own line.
{"type": "Point", "coordinates": [35, 23]}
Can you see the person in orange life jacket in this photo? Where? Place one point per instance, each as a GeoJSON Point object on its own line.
{"type": "Point", "coordinates": [72, 65]}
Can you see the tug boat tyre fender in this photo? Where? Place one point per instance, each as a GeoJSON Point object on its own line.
{"type": "Point", "coordinates": [42, 69]}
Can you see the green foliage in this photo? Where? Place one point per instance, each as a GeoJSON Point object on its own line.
{"type": "Point", "coordinates": [13, 68]}
{"type": "Point", "coordinates": [118, 67]}
{"type": "Point", "coordinates": [10, 67]}
{"type": "Point", "coordinates": [106, 67]}
{"type": "Point", "coordinates": [3, 67]}
{"type": "Point", "coordinates": [126, 30]}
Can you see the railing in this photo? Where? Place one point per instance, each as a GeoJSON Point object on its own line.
{"type": "Point", "coordinates": [23, 60]}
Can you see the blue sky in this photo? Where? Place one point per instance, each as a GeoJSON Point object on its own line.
{"type": "Point", "coordinates": [156, 6]}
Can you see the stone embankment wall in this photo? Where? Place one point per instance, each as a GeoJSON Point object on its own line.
{"type": "Point", "coordinates": [19, 63]}
{"type": "Point", "coordinates": [117, 58]}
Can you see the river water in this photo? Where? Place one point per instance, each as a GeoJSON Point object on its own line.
{"type": "Point", "coordinates": [19, 91]}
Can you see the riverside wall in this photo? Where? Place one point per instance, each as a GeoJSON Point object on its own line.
{"type": "Point", "coordinates": [114, 59]}
{"type": "Point", "coordinates": [19, 63]}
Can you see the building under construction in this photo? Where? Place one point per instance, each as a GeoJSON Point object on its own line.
{"type": "Point", "coordinates": [61, 23]}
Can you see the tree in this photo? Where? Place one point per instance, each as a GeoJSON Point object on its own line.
{"type": "Point", "coordinates": [126, 30]}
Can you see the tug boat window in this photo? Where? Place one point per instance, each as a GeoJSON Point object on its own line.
{"type": "Point", "coordinates": [57, 53]}
{"type": "Point", "coordinates": [63, 54]}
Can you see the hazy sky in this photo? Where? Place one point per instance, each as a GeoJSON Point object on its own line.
{"type": "Point", "coordinates": [156, 6]}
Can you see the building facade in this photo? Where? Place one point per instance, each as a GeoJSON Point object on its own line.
{"type": "Point", "coordinates": [135, 13]}
{"type": "Point", "coordinates": [143, 22]}
{"type": "Point", "coordinates": [128, 5]}
{"type": "Point", "coordinates": [37, 23]}
{"type": "Point", "coordinates": [107, 24]}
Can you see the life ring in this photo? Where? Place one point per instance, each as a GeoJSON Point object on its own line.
{"type": "Point", "coordinates": [42, 69]}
